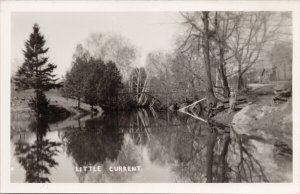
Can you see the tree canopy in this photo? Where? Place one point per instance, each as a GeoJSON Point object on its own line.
{"type": "Point", "coordinates": [92, 80]}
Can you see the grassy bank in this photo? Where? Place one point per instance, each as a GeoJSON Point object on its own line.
{"type": "Point", "coordinates": [60, 108]}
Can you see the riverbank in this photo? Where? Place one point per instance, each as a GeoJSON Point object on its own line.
{"type": "Point", "coordinates": [260, 115]}
{"type": "Point", "coordinates": [61, 108]}
{"type": "Point", "coordinates": [265, 129]}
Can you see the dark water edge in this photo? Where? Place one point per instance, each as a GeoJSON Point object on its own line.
{"type": "Point", "coordinates": [168, 148]}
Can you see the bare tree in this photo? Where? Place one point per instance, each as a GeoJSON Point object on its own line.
{"type": "Point", "coordinates": [206, 51]}
{"type": "Point", "coordinates": [232, 42]}
{"type": "Point", "coordinates": [114, 48]}
{"type": "Point", "coordinates": [158, 64]}
{"type": "Point", "coordinates": [224, 25]}
{"type": "Point", "coordinates": [139, 84]}
{"type": "Point", "coordinates": [199, 30]}
{"type": "Point", "coordinates": [249, 39]}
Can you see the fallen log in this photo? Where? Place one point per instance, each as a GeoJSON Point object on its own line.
{"type": "Point", "coordinates": [238, 99]}
{"type": "Point", "coordinates": [282, 95]}
{"type": "Point", "coordinates": [194, 116]}
{"type": "Point", "coordinates": [192, 105]}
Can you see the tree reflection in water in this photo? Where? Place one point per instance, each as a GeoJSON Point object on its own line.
{"type": "Point", "coordinates": [112, 139]}
{"type": "Point", "coordinates": [201, 152]}
{"type": "Point", "coordinates": [37, 158]}
{"type": "Point", "coordinates": [222, 155]}
{"type": "Point", "coordinates": [193, 150]}
{"type": "Point", "coordinates": [98, 140]}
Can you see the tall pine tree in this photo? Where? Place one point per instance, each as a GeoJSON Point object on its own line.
{"type": "Point", "coordinates": [36, 73]}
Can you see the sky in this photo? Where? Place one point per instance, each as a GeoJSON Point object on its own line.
{"type": "Point", "coordinates": [148, 31]}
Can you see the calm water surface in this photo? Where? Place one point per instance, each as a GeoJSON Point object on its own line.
{"type": "Point", "coordinates": [167, 148]}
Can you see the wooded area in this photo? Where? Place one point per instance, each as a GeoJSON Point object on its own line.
{"type": "Point", "coordinates": [216, 55]}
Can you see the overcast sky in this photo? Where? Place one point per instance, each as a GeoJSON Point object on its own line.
{"type": "Point", "coordinates": [147, 30]}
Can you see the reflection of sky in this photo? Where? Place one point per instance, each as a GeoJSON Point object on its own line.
{"type": "Point", "coordinates": [152, 172]}
{"type": "Point", "coordinates": [65, 170]}
{"type": "Point", "coordinates": [137, 155]}
{"type": "Point", "coordinates": [17, 171]}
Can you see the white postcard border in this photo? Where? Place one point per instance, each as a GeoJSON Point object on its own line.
{"type": "Point", "coordinates": [7, 7]}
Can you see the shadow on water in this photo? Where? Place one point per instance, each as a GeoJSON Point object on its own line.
{"type": "Point", "coordinates": [169, 148]}
{"type": "Point", "coordinates": [37, 157]}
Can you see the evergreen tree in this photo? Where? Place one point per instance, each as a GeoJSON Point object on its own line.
{"type": "Point", "coordinates": [39, 104]}
{"type": "Point", "coordinates": [36, 73]}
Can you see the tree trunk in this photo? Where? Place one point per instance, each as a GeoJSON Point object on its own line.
{"type": "Point", "coordinates": [223, 158]}
{"type": "Point", "coordinates": [210, 156]}
{"type": "Point", "coordinates": [240, 83]}
{"type": "Point", "coordinates": [223, 73]}
{"type": "Point", "coordinates": [222, 70]}
{"type": "Point", "coordinates": [209, 86]}
{"type": "Point", "coordinates": [36, 104]}
{"type": "Point", "coordinates": [78, 105]}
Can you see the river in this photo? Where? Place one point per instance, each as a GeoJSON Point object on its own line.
{"type": "Point", "coordinates": [140, 146]}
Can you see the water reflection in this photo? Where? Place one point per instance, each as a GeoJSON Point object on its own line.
{"type": "Point", "coordinates": [168, 147]}
{"type": "Point", "coordinates": [99, 140]}
{"type": "Point", "coordinates": [37, 158]}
